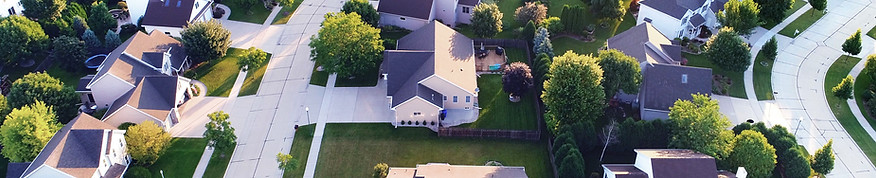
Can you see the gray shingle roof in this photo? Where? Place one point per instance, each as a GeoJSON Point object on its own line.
{"type": "Point", "coordinates": [717, 5]}
{"type": "Point", "coordinates": [154, 95]}
{"type": "Point", "coordinates": [663, 84]}
{"type": "Point", "coordinates": [129, 69]}
{"type": "Point", "coordinates": [645, 43]}
{"type": "Point", "coordinates": [469, 2]}
{"type": "Point", "coordinates": [72, 148]}
{"type": "Point", "coordinates": [697, 20]}
{"type": "Point", "coordinates": [14, 170]}
{"type": "Point", "coordinates": [176, 13]}
{"type": "Point", "coordinates": [680, 163]}
{"type": "Point", "coordinates": [82, 149]}
{"type": "Point", "coordinates": [83, 82]}
{"type": "Point", "coordinates": [411, 8]}
{"type": "Point", "coordinates": [674, 8]}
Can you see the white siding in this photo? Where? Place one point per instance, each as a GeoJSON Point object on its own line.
{"type": "Point", "coordinates": [409, 23]}
{"type": "Point", "coordinates": [449, 90]}
{"type": "Point", "coordinates": [664, 23]}
{"type": "Point", "coordinates": [107, 89]}
{"type": "Point", "coordinates": [137, 8]}
{"type": "Point", "coordinates": [405, 112]}
{"type": "Point", "coordinates": [174, 31]}
{"type": "Point", "coordinates": [462, 17]}
{"type": "Point", "coordinates": [644, 163]}
{"type": "Point", "coordinates": [14, 5]}
{"type": "Point", "coordinates": [201, 5]}
{"type": "Point", "coordinates": [445, 10]}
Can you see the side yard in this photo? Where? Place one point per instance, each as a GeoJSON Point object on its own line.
{"type": "Point", "coordinates": [180, 159]}
{"type": "Point", "coordinates": [219, 75]}
{"type": "Point", "coordinates": [351, 150]}
{"type": "Point", "coordinates": [737, 83]}
{"type": "Point", "coordinates": [838, 70]}
{"type": "Point", "coordinates": [300, 149]}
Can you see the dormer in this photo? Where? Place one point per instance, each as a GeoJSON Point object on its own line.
{"type": "Point", "coordinates": [166, 65]}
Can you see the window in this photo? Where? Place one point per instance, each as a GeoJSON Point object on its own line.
{"type": "Point", "coordinates": [468, 99]}
{"type": "Point", "coordinates": [417, 113]}
{"type": "Point", "coordinates": [402, 18]}
{"type": "Point", "coordinates": [454, 99]}
{"type": "Point", "coordinates": [196, 5]}
{"type": "Point", "coordinates": [445, 98]}
{"type": "Point", "coordinates": [466, 10]}
{"type": "Point", "coordinates": [167, 33]}
{"type": "Point", "coordinates": [178, 3]}
{"type": "Point", "coordinates": [683, 78]}
{"type": "Point", "coordinates": [12, 11]}
{"type": "Point", "coordinates": [90, 98]}
{"type": "Point", "coordinates": [166, 3]}
{"type": "Point", "coordinates": [647, 19]}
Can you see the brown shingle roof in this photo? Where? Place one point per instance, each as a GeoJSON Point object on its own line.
{"type": "Point", "coordinates": [154, 95]}
{"type": "Point", "coordinates": [75, 148]}
{"type": "Point", "coordinates": [128, 68]}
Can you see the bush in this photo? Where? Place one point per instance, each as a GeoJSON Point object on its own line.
{"type": "Point", "coordinates": [380, 170]}
{"type": "Point", "coordinates": [126, 125]}
{"type": "Point", "coordinates": [553, 24]}
{"type": "Point", "coordinates": [138, 172]}
{"type": "Point", "coordinates": [128, 29]}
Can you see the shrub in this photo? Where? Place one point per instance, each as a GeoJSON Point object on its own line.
{"type": "Point", "coordinates": [380, 170]}
{"type": "Point", "coordinates": [126, 125]}
{"type": "Point", "coordinates": [843, 90]}
{"type": "Point", "coordinates": [553, 24]}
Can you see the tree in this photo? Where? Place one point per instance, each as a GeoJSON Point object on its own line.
{"type": "Point", "coordinates": [26, 131]}
{"type": "Point", "coordinates": [380, 170]}
{"type": "Point", "coordinates": [728, 51]}
{"type": "Point", "coordinates": [219, 132]}
{"type": "Point", "coordinates": [347, 46]}
{"type": "Point", "coordinates": [542, 43]}
{"type": "Point", "coordinates": [773, 11]}
{"type": "Point", "coordinates": [535, 12]}
{"type": "Point", "coordinates": [573, 18]}
{"type": "Point", "coordinates": [740, 15]}
{"type": "Point", "coordinates": [43, 9]}
{"type": "Point", "coordinates": [574, 91]}
{"type": "Point", "coordinates": [69, 52]}
{"type": "Point", "coordinates": [754, 153]}
{"type": "Point", "coordinates": [643, 134]}
{"type": "Point", "coordinates": [572, 165]}
{"type": "Point", "coordinates": [100, 19]}
{"type": "Point", "coordinates": [79, 25]}
{"type": "Point", "coordinates": [770, 49]}
{"type": "Point", "coordinates": [252, 58]}
{"type": "Point", "coordinates": [246, 4]}
{"type": "Point", "coordinates": [517, 80]}
{"type": "Point", "coordinates": [608, 9]}
{"type": "Point", "coordinates": [853, 44]}
{"type": "Point", "coordinates": [553, 24]}
{"type": "Point", "coordinates": [609, 136]}
{"type": "Point", "coordinates": [39, 86]}
{"type": "Point", "coordinates": [528, 31]}
{"type": "Point", "coordinates": [622, 72]}
{"type": "Point", "coordinates": [700, 126]}
{"type": "Point", "coordinates": [21, 38]}
{"type": "Point", "coordinates": [91, 42]}
{"type": "Point", "coordinates": [819, 5]}
{"type": "Point", "coordinates": [822, 162]}
{"type": "Point", "coordinates": [146, 142]}
{"type": "Point", "coordinates": [73, 10]}
{"type": "Point", "coordinates": [287, 3]}
{"type": "Point", "coordinates": [870, 66]}
{"type": "Point", "coordinates": [362, 7]}
{"type": "Point", "coordinates": [796, 163]}
{"type": "Point", "coordinates": [205, 40]}
{"type": "Point", "coordinates": [486, 20]}
{"type": "Point", "coordinates": [843, 90]}
{"type": "Point", "coordinates": [287, 162]}
{"type": "Point", "coordinates": [111, 40]}
{"type": "Point", "coordinates": [584, 133]}
{"type": "Point", "coordinates": [55, 28]}
{"type": "Point", "coordinates": [4, 107]}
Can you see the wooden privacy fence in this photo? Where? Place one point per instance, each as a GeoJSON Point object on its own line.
{"type": "Point", "coordinates": [489, 133]}
{"type": "Point", "coordinates": [512, 43]}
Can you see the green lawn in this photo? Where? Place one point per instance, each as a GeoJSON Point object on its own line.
{"type": "Point", "coordinates": [794, 7]}
{"type": "Point", "coordinates": [318, 77]}
{"type": "Point", "coordinates": [737, 88]}
{"type": "Point", "coordinates": [802, 23]}
{"type": "Point", "coordinates": [70, 79]}
{"type": "Point", "coordinates": [498, 112]}
{"type": "Point", "coordinates": [352, 150]}
{"type": "Point", "coordinates": [180, 159]}
{"type": "Point", "coordinates": [286, 13]}
{"type": "Point", "coordinates": [872, 33]}
{"type": "Point", "coordinates": [254, 79]}
{"type": "Point", "coordinates": [838, 70]}
{"type": "Point", "coordinates": [366, 79]}
{"type": "Point", "coordinates": [259, 13]}
{"type": "Point", "coordinates": [862, 84]}
{"type": "Point", "coordinates": [218, 164]}
{"type": "Point", "coordinates": [300, 150]}
{"type": "Point", "coordinates": [763, 71]}
{"type": "Point", "coordinates": [563, 44]}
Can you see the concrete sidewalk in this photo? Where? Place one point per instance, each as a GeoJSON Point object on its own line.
{"type": "Point", "coordinates": [313, 155]}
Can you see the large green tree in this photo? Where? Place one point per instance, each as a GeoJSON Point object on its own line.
{"type": "Point", "coordinates": [574, 92]}
{"type": "Point", "coordinates": [252, 58]}
{"type": "Point", "coordinates": [39, 86]}
{"type": "Point", "coordinates": [146, 142]}
{"type": "Point", "coordinates": [21, 38]}
{"type": "Point", "coordinates": [365, 10]}
{"type": "Point", "coordinates": [219, 132]}
{"type": "Point", "coordinates": [852, 45]}
{"type": "Point", "coordinates": [100, 19]}
{"type": "Point", "coordinates": [700, 126]}
{"type": "Point", "coordinates": [535, 12]}
{"type": "Point", "coordinates": [740, 15]}
{"type": "Point", "coordinates": [728, 51]}
{"type": "Point", "coordinates": [571, 163]}
{"type": "Point", "coordinates": [69, 52]}
{"type": "Point", "coordinates": [770, 49]}
{"type": "Point", "coordinates": [622, 72]}
{"type": "Point", "coordinates": [517, 79]}
{"type": "Point", "coordinates": [486, 20]}
{"type": "Point", "coordinates": [26, 131]}
{"type": "Point", "coordinates": [796, 163]}
{"type": "Point", "coordinates": [870, 66]}
{"type": "Point", "coordinates": [608, 9]}
{"type": "Point", "coordinates": [43, 9]}
{"type": "Point", "coordinates": [822, 162]}
{"type": "Point", "coordinates": [774, 10]}
{"type": "Point", "coordinates": [819, 5]}
{"type": "Point", "coordinates": [205, 40]}
{"type": "Point", "coordinates": [111, 40]}
{"type": "Point", "coordinates": [347, 46]}
{"type": "Point", "coordinates": [754, 153]}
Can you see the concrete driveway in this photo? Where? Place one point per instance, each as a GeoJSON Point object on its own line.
{"type": "Point", "coordinates": [360, 105]}
{"type": "Point", "coordinates": [194, 116]}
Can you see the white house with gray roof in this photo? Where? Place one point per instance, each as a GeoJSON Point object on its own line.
{"type": "Point", "coordinates": [85, 147]}
{"type": "Point", "coordinates": [680, 18]}
{"type": "Point", "coordinates": [413, 14]}
{"type": "Point", "coordinates": [432, 74]}
{"type": "Point", "coordinates": [170, 16]}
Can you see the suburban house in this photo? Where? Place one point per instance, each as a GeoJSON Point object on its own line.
{"type": "Point", "coordinates": [431, 78]}
{"type": "Point", "coordinates": [170, 16]}
{"type": "Point", "coordinates": [665, 80]}
{"type": "Point", "coordinates": [666, 163]}
{"type": "Point", "coordinates": [85, 147]}
{"type": "Point", "coordinates": [413, 14]}
{"type": "Point", "coordinates": [11, 7]}
{"type": "Point", "coordinates": [140, 81]}
{"type": "Point", "coordinates": [681, 18]}
{"type": "Point", "coordinates": [447, 170]}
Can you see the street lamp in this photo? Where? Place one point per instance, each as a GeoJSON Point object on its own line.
{"type": "Point", "coordinates": [307, 110]}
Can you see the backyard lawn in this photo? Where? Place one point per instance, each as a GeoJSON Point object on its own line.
{"type": "Point", "coordinates": [180, 159]}
{"type": "Point", "coordinates": [300, 150]}
{"type": "Point", "coordinates": [563, 44]}
{"type": "Point", "coordinates": [737, 88]}
{"type": "Point", "coordinates": [352, 150]}
{"type": "Point", "coordinates": [802, 23]}
{"type": "Point", "coordinates": [70, 79]}
{"type": "Point", "coordinates": [217, 165]}
{"type": "Point", "coordinates": [763, 86]}
{"type": "Point", "coordinates": [286, 13]}
{"type": "Point", "coordinates": [219, 75]}
{"type": "Point", "coordinates": [254, 79]}
{"type": "Point", "coordinates": [838, 70]}
{"type": "Point", "coordinates": [862, 85]}
{"type": "Point", "coordinates": [872, 33]}
{"type": "Point", "coordinates": [794, 7]}
{"type": "Point", "coordinates": [258, 16]}
{"type": "Point", "coordinates": [499, 113]}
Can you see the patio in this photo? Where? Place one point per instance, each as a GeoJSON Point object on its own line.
{"type": "Point", "coordinates": [456, 117]}
{"type": "Point", "coordinates": [490, 60]}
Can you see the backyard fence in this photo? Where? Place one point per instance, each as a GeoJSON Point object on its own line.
{"type": "Point", "coordinates": [507, 43]}
{"type": "Point", "coordinates": [489, 133]}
